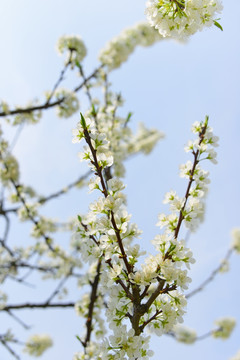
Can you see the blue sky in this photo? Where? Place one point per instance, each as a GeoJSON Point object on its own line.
{"type": "Point", "coordinates": [167, 86]}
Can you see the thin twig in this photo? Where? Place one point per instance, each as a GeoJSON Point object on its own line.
{"type": "Point", "coordinates": [93, 298]}
{"type": "Point", "coordinates": [58, 288]}
{"type": "Point", "coordinates": [43, 200]}
{"type": "Point", "coordinates": [61, 77]}
{"type": "Point", "coordinates": [211, 277]}
{"type": "Point", "coordinates": [16, 318]}
{"type": "Point", "coordinates": [38, 306]}
{"type": "Point", "coordinates": [47, 105]}
{"type": "Point", "coordinates": [12, 352]}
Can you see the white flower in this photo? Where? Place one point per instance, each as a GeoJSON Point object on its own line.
{"type": "Point", "coordinates": [224, 266]}
{"type": "Point", "coordinates": [184, 334]}
{"type": "Point", "coordinates": [32, 117]}
{"type": "Point", "coordinates": [3, 299]}
{"type": "Point", "coordinates": [211, 155]}
{"type": "Point", "coordinates": [78, 132]}
{"type": "Point", "coordinates": [94, 183]}
{"type": "Point", "coordinates": [236, 239]}
{"type": "Point", "coordinates": [118, 49]}
{"type": "Point", "coordinates": [9, 170]}
{"type": "Point", "coordinates": [115, 185]}
{"type": "Point", "coordinates": [74, 45]}
{"type": "Point", "coordinates": [144, 140]}
{"type": "Point", "coordinates": [182, 18]}
{"type": "Point", "coordinates": [37, 344]}
{"type": "Point", "coordinates": [69, 105]}
{"type": "Point", "coordinates": [226, 326]}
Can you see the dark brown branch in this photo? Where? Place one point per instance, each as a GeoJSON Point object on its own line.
{"type": "Point", "coordinates": [155, 294]}
{"type": "Point", "coordinates": [144, 293]}
{"type": "Point", "coordinates": [32, 108]}
{"type": "Point", "coordinates": [93, 299]}
{"type": "Point", "coordinates": [158, 312]}
{"type": "Point", "coordinates": [119, 281]}
{"type": "Point", "coordinates": [38, 306]}
{"type": "Point", "coordinates": [88, 78]}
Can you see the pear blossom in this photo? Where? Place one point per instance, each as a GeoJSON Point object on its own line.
{"type": "Point", "coordinates": [121, 47]}
{"type": "Point", "coordinates": [32, 117]}
{"type": "Point", "coordinates": [37, 344]}
{"type": "Point", "coordinates": [9, 169]}
{"type": "Point", "coordinates": [3, 299]}
{"type": "Point", "coordinates": [75, 47]}
{"type": "Point", "coordinates": [106, 232]}
{"type": "Point", "coordinates": [184, 334]}
{"type": "Point", "coordinates": [236, 239]}
{"type": "Point", "coordinates": [69, 105]}
{"type": "Point", "coordinates": [182, 18]}
{"type": "Point", "coordinates": [226, 326]}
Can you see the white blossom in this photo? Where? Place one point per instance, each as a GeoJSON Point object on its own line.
{"type": "Point", "coordinates": [69, 105]}
{"type": "Point", "coordinates": [236, 239]}
{"type": "Point", "coordinates": [118, 49]}
{"type": "Point", "coordinates": [74, 46]}
{"type": "Point", "coordinates": [226, 326]}
{"type": "Point", "coordinates": [182, 18]}
{"type": "Point", "coordinates": [184, 334]}
{"type": "Point", "coordinates": [37, 344]}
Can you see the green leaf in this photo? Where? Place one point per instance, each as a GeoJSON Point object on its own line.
{"type": "Point", "coordinates": [217, 25]}
{"type": "Point", "coordinates": [78, 64]}
{"type": "Point", "coordinates": [94, 113]}
{"type": "Point", "coordinates": [128, 118]}
{"type": "Point", "coordinates": [78, 338]}
{"type": "Point", "coordinates": [83, 122]}
{"type": "Point", "coordinates": [206, 121]}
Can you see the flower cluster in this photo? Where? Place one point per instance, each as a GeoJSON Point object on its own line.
{"type": "Point", "coordinates": [226, 326]}
{"type": "Point", "coordinates": [191, 207]}
{"type": "Point", "coordinates": [144, 140]}
{"type": "Point", "coordinates": [121, 47]}
{"type": "Point", "coordinates": [3, 299]}
{"type": "Point", "coordinates": [75, 47]}
{"type": "Point", "coordinates": [31, 117]}
{"type": "Point", "coordinates": [4, 107]}
{"type": "Point", "coordinates": [9, 169]}
{"type": "Point", "coordinates": [37, 344]}
{"type": "Point", "coordinates": [123, 142]}
{"type": "Point", "coordinates": [69, 105]}
{"type": "Point", "coordinates": [182, 18]}
{"type": "Point", "coordinates": [184, 334]}
{"type": "Point", "coordinates": [236, 239]}
{"type": "Point", "coordinates": [150, 296]}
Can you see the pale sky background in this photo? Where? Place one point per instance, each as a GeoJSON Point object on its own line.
{"type": "Point", "coordinates": [168, 86]}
